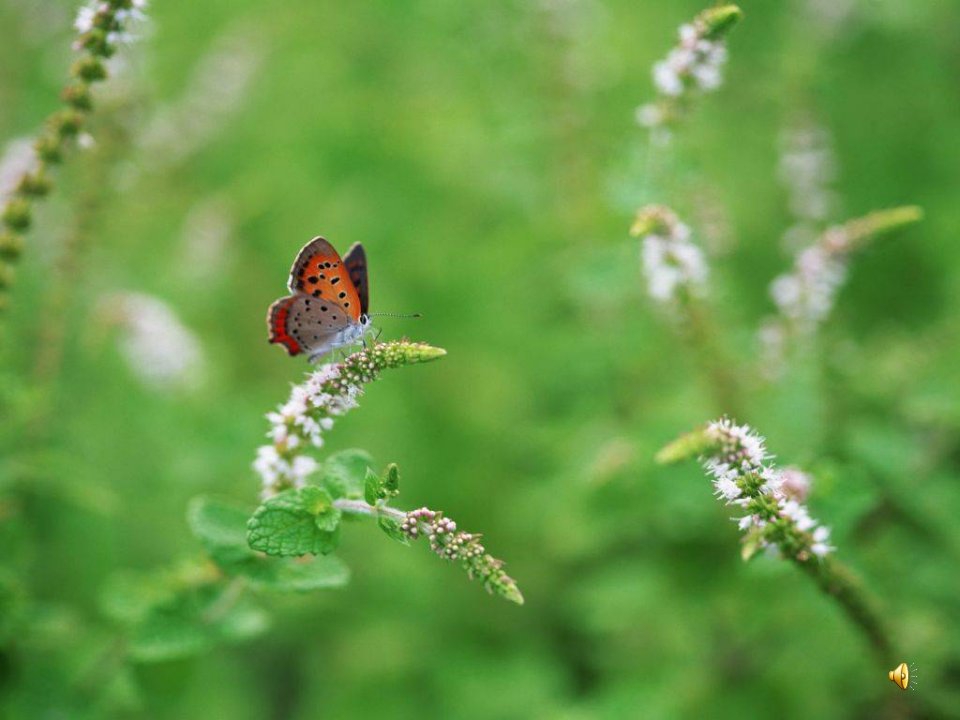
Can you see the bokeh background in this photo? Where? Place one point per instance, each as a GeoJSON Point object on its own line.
{"type": "Point", "coordinates": [487, 156]}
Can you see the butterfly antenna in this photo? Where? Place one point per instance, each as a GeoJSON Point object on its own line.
{"type": "Point", "coordinates": [396, 315]}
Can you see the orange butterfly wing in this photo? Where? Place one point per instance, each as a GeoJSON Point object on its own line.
{"type": "Point", "coordinates": [356, 263]}
{"type": "Point", "coordinates": [319, 272]}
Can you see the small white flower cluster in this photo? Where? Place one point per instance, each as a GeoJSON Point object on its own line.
{"type": "Point", "coordinates": [445, 541]}
{"type": "Point", "coordinates": [275, 468]}
{"type": "Point", "coordinates": [87, 17]}
{"type": "Point", "coordinates": [158, 347]}
{"type": "Point", "coordinates": [301, 422]}
{"type": "Point", "coordinates": [742, 454]}
{"type": "Point", "coordinates": [806, 295]}
{"type": "Point", "coordinates": [694, 64]}
{"type": "Point", "coordinates": [671, 262]}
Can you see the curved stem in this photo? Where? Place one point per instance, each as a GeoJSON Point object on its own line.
{"type": "Point", "coordinates": [702, 335]}
{"type": "Point", "coordinates": [838, 581]}
{"type": "Point", "coordinates": [360, 507]}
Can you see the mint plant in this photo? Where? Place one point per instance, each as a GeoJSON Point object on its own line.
{"type": "Point", "coordinates": [773, 515]}
{"type": "Point", "coordinates": [305, 500]}
{"type": "Point", "coordinates": [286, 544]}
{"type": "Point", "coordinates": [693, 67]}
{"type": "Point", "coordinates": [805, 295]}
{"type": "Point", "coordinates": [676, 269]}
{"type": "Point", "coordinates": [775, 518]}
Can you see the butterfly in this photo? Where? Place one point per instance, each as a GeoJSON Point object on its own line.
{"type": "Point", "coordinates": [328, 305]}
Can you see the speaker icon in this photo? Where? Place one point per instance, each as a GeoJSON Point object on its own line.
{"type": "Point", "coordinates": [900, 676]}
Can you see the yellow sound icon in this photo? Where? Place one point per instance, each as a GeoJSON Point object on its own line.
{"type": "Point", "coordinates": [900, 676]}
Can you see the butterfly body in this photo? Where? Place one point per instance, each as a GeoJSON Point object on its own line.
{"type": "Point", "coordinates": [327, 307]}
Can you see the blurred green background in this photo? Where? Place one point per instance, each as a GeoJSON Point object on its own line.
{"type": "Point", "coordinates": [487, 156]}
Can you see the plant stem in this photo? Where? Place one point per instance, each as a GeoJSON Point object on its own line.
{"type": "Point", "coordinates": [228, 598]}
{"type": "Point", "coordinates": [360, 507]}
{"type": "Point", "coordinates": [720, 373]}
{"type": "Point", "coordinates": [838, 581]}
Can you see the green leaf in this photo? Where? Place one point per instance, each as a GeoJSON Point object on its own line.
{"type": "Point", "coordinates": [301, 575]}
{"type": "Point", "coordinates": [329, 520]}
{"type": "Point", "coordinates": [295, 522]}
{"type": "Point", "coordinates": [194, 622]}
{"type": "Point", "coordinates": [221, 527]}
{"type": "Point", "coordinates": [392, 528]}
{"type": "Point", "coordinates": [376, 488]}
{"type": "Point", "coordinates": [371, 487]}
{"type": "Point", "coordinates": [344, 473]}
{"type": "Point", "coordinates": [391, 480]}
{"type": "Point", "coordinates": [128, 597]}
{"type": "Point", "coordinates": [318, 503]}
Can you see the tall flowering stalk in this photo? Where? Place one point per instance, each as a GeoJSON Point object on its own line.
{"type": "Point", "coordinates": [327, 393]}
{"type": "Point", "coordinates": [302, 508]}
{"type": "Point", "coordinates": [774, 516]}
{"type": "Point", "coordinates": [458, 546]}
{"type": "Point", "coordinates": [805, 296]}
{"type": "Point", "coordinates": [101, 28]}
{"type": "Point", "coordinates": [676, 272]}
{"type": "Point", "coordinates": [445, 539]}
{"type": "Point", "coordinates": [673, 266]}
{"type": "Point", "coordinates": [693, 67]}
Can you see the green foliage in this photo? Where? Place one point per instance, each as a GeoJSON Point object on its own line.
{"type": "Point", "coordinates": [296, 522]}
{"type": "Point", "coordinates": [344, 474]}
{"type": "Point", "coordinates": [377, 489]}
{"type": "Point", "coordinates": [192, 623]}
{"type": "Point", "coordinates": [391, 526]}
{"type": "Point", "coordinates": [222, 528]}
{"type": "Point", "coordinates": [180, 612]}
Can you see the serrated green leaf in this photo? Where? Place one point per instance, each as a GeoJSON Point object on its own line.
{"type": "Point", "coordinates": [287, 524]}
{"type": "Point", "coordinates": [392, 528]}
{"type": "Point", "coordinates": [344, 473]}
